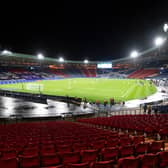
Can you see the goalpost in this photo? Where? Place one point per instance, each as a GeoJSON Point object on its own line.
{"type": "Point", "coordinates": [34, 87]}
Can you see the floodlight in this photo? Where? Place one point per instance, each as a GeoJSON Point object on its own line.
{"type": "Point", "coordinates": [40, 56]}
{"type": "Point", "coordinates": [61, 59]}
{"type": "Point", "coordinates": [159, 41]}
{"type": "Point", "coordinates": [85, 61]}
{"type": "Point", "coordinates": [165, 27]}
{"type": "Point", "coordinates": [6, 52]}
{"type": "Point", "coordinates": [134, 54]}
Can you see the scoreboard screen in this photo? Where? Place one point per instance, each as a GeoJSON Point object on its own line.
{"type": "Point", "coordinates": [104, 65]}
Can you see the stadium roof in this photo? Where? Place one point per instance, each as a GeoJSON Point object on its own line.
{"type": "Point", "coordinates": [8, 56]}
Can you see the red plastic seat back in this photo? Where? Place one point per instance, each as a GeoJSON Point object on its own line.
{"type": "Point", "coordinates": [80, 165]}
{"type": "Point", "coordinates": [110, 153]}
{"type": "Point", "coordinates": [126, 151]}
{"type": "Point", "coordinates": [149, 160]}
{"type": "Point", "coordinates": [70, 157]}
{"type": "Point", "coordinates": [64, 148]}
{"type": "Point", "coordinates": [89, 155]}
{"type": "Point", "coordinates": [29, 161]}
{"type": "Point", "coordinates": [138, 139]}
{"type": "Point", "coordinates": [50, 160]}
{"type": "Point", "coordinates": [128, 162]}
{"type": "Point", "coordinates": [8, 163]}
{"type": "Point", "coordinates": [78, 147]}
{"type": "Point", "coordinates": [163, 158]}
{"type": "Point", "coordinates": [156, 146]}
{"type": "Point", "coordinates": [104, 164]}
{"type": "Point", "coordinates": [142, 148]}
{"type": "Point", "coordinates": [112, 143]}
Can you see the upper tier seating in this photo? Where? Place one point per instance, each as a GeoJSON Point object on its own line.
{"type": "Point", "coordinates": [142, 73]}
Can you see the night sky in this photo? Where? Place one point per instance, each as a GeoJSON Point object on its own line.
{"type": "Point", "coordinates": [96, 30]}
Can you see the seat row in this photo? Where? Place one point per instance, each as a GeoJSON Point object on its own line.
{"type": "Point", "coordinates": [159, 160]}
{"type": "Point", "coordinates": [150, 124]}
{"type": "Point", "coordinates": [153, 147]}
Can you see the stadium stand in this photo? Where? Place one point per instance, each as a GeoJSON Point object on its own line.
{"type": "Point", "coordinates": [37, 73]}
{"type": "Point", "coordinates": [142, 73]}
{"type": "Point", "coordinates": [55, 144]}
{"type": "Point", "coordinates": [150, 124]}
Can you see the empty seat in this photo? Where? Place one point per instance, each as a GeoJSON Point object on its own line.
{"type": "Point", "coordinates": [126, 151]}
{"type": "Point", "coordinates": [47, 149]}
{"type": "Point", "coordinates": [70, 157]}
{"type": "Point", "coordinates": [30, 151]}
{"type": "Point", "coordinates": [8, 162]}
{"type": "Point", "coordinates": [98, 144]}
{"type": "Point", "coordinates": [50, 160]}
{"type": "Point", "coordinates": [77, 147]}
{"type": "Point", "coordinates": [163, 159]}
{"type": "Point", "coordinates": [156, 146]}
{"type": "Point", "coordinates": [112, 143]}
{"type": "Point", "coordinates": [137, 139]}
{"type": "Point", "coordinates": [128, 162]}
{"type": "Point", "coordinates": [64, 148]}
{"type": "Point", "coordinates": [79, 165]}
{"type": "Point", "coordinates": [110, 153]}
{"type": "Point", "coordinates": [104, 164]}
{"type": "Point", "coordinates": [31, 161]}
{"type": "Point", "coordinates": [149, 161]}
{"type": "Point", "coordinates": [9, 154]}
{"type": "Point", "coordinates": [89, 155]}
{"type": "Point", "coordinates": [125, 141]}
{"type": "Point", "coordinates": [141, 148]}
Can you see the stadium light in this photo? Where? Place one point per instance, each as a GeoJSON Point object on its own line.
{"type": "Point", "coordinates": [86, 61]}
{"type": "Point", "coordinates": [159, 41]}
{"type": "Point", "coordinates": [165, 27]}
{"type": "Point", "coordinates": [134, 54]}
{"type": "Point", "coordinates": [61, 59]}
{"type": "Point", "coordinates": [6, 52]}
{"type": "Point", "coordinates": [40, 56]}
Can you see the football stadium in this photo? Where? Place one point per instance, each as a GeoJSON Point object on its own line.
{"type": "Point", "coordinates": [61, 112]}
{"type": "Point", "coordinates": [64, 113]}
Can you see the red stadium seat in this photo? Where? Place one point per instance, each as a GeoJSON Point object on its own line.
{"type": "Point", "coordinates": [112, 143]}
{"type": "Point", "coordinates": [110, 153]}
{"type": "Point", "coordinates": [64, 148]}
{"type": "Point", "coordinates": [30, 151]}
{"type": "Point", "coordinates": [125, 141]}
{"type": "Point", "coordinates": [8, 162]}
{"type": "Point", "coordinates": [29, 161]}
{"type": "Point", "coordinates": [59, 166]}
{"type": "Point", "coordinates": [126, 151]}
{"type": "Point", "coordinates": [70, 157]}
{"type": "Point", "coordinates": [47, 148]}
{"type": "Point", "coordinates": [156, 146]}
{"type": "Point", "coordinates": [141, 148]}
{"type": "Point", "coordinates": [149, 160]}
{"type": "Point", "coordinates": [98, 144]}
{"type": "Point", "coordinates": [163, 159]}
{"type": "Point", "coordinates": [77, 147]}
{"type": "Point", "coordinates": [128, 162]}
{"type": "Point", "coordinates": [9, 154]}
{"type": "Point", "coordinates": [89, 155]}
{"type": "Point", "coordinates": [50, 160]}
{"type": "Point", "coordinates": [138, 139]}
{"type": "Point", "coordinates": [79, 165]}
{"type": "Point", "coordinates": [103, 164]}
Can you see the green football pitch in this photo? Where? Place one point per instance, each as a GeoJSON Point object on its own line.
{"type": "Point", "coordinates": [90, 88]}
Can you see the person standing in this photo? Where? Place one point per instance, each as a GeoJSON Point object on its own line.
{"type": "Point", "coordinates": [145, 108]}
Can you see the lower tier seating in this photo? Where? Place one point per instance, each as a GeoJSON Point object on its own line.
{"type": "Point", "coordinates": [67, 144]}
